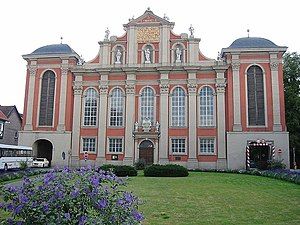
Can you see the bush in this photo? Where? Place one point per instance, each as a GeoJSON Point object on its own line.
{"type": "Point", "coordinates": [23, 165]}
{"type": "Point", "coordinates": [120, 171]}
{"type": "Point", "coordinates": [276, 164]}
{"type": "Point", "coordinates": [19, 174]}
{"type": "Point", "coordinates": [71, 197]}
{"type": "Point", "coordinates": [170, 170]}
{"type": "Point", "coordinates": [140, 165]}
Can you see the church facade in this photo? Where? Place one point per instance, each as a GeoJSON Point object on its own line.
{"type": "Point", "coordinates": [151, 95]}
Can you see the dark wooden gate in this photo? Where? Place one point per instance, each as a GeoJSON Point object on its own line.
{"type": "Point", "coordinates": [146, 152]}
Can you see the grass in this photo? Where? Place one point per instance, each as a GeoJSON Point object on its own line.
{"type": "Point", "coordinates": [216, 198]}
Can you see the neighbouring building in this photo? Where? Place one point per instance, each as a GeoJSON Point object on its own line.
{"type": "Point", "coordinates": [151, 95]}
{"type": "Point", "coordinates": [10, 126]}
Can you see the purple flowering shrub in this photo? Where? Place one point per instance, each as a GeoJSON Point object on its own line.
{"type": "Point", "coordinates": [80, 196]}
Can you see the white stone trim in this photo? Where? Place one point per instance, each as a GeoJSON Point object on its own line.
{"type": "Point", "coordinates": [265, 96]}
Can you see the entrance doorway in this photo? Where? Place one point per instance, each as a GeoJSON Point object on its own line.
{"type": "Point", "coordinates": [43, 149]}
{"type": "Point", "coordinates": [146, 152]}
{"type": "Point", "coordinates": [258, 154]}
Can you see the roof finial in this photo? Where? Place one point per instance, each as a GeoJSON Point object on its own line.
{"type": "Point", "coordinates": [148, 9]}
{"type": "Point", "coordinates": [61, 38]}
{"type": "Point", "coordinates": [166, 17]}
{"type": "Point", "coordinates": [248, 32]}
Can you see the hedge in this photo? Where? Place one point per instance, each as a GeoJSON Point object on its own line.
{"type": "Point", "coordinates": [170, 170]}
{"type": "Point", "coordinates": [280, 174]}
{"type": "Point", "coordinates": [120, 171]}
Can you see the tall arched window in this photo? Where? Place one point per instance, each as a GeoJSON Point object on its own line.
{"type": "Point", "coordinates": [255, 95]}
{"type": "Point", "coordinates": [47, 99]}
{"type": "Point", "coordinates": [147, 104]}
{"type": "Point", "coordinates": [178, 107]}
{"type": "Point", "coordinates": [90, 107]}
{"type": "Point", "coordinates": [206, 106]}
{"type": "Point", "coordinates": [117, 107]}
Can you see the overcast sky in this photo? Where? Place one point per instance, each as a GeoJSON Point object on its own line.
{"type": "Point", "coordinates": [28, 25]}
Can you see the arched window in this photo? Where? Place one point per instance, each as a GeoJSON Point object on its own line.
{"type": "Point", "coordinates": [178, 107]}
{"type": "Point", "coordinates": [206, 106]}
{"type": "Point", "coordinates": [90, 107]}
{"type": "Point", "coordinates": [47, 99]}
{"type": "Point", "coordinates": [116, 107]}
{"type": "Point", "coordinates": [147, 104]}
{"type": "Point", "coordinates": [255, 95]}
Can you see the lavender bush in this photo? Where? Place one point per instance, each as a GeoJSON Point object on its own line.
{"type": "Point", "coordinates": [82, 196]}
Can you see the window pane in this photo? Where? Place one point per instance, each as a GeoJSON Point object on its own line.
{"type": "Point", "coordinates": [178, 107]}
{"type": "Point", "coordinates": [90, 108]}
{"type": "Point", "coordinates": [89, 144]}
{"type": "Point", "coordinates": [178, 145]}
{"type": "Point", "coordinates": [147, 104]}
{"type": "Point", "coordinates": [47, 99]}
{"type": "Point", "coordinates": [207, 145]}
{"type": "Point", "coordinates": [116, 107]}
{"type": "Point", "coordinates": [206, 107]}
{"type": "Point", "coordinates": [115, 145]}
{"type": "Point", "coordinates": [255, 95]}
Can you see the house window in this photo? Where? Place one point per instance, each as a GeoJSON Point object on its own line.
{"type": "Point", "coordinates": [47, 99]}
{"type": "Point", "coordinates": [178, 107]}
{"type": "Point", "coordinates": [206, 107]}
{"type": "Point", "coordinates": [255, 95]}
{"type": "Point", "coordinates": [207, 145]}
{"type": "Point", "coordinates": [178, 145]}
{"type": "Point", "coordinates": [89, 144]}
{"type": "Point", "coordinates": [115, 145]}
{"type": "Point", "coordinates": [90, 107]}
{"type": "Point", "coordinates": [116, 107]}
{"type": "Point", "coordinates": [147, 104]}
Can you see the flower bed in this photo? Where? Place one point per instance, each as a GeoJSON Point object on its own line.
{"type": "Point", "coordinates": [282, 174]}
{"type": "Point", "coordinates": [8, 176]}
{"type": "Point", "coordinates": [82, 196]}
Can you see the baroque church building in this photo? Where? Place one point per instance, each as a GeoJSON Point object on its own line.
{"type": "Point", "coordinates": [151, 95]}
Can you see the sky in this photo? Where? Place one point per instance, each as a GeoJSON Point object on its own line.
{"type": "Point", "coordinates": [28, 25]}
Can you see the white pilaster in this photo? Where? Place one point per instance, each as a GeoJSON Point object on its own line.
{"type": "Point", "coordinates": [105, 53]}
{"type": "Point", "coordinates": [164, 45]}
{"type": "Point", "coordinates": [63, 96]}
{"type": "Point", "coordinates": [192, 143]}
{"type": "Point", "coordinates": [30, 95]}
{"type": "Point", "coordinates": [102, 118]}
{"type": "Point", "coordinates": [77, 90]}
{"type": "Point", "coordinates": [193, 50]}
{"type": "Point", "coordinates": [237, 126]}
{"type": "Point", "coordinates": [164, 118]}
{"type": "Point", "coordinates": [275, 93]}
{"type": "Point", "coordinates": [129, 119]}
{"type": "Point", "coordinates": [131, 46]}
{"type": "Point", "coordinates": [221, 143]}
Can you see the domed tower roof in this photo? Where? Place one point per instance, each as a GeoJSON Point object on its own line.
{"type": "Point", "coordinates": [252, 42]}
{"type": "Point", "coordinates": [54, 50]}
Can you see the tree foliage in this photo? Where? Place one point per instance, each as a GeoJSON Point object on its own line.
{"type": "Point", "coordinates": [291, 71]}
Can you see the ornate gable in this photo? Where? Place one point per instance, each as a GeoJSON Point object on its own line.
{"type": "Point", "coordinates": [148, 18]}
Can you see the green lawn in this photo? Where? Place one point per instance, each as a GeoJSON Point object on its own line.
{"type": "Point", "coordinates": [216, 198]}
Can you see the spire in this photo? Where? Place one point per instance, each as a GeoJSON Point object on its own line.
{"type": "Point", "coordinates": [248, 32]}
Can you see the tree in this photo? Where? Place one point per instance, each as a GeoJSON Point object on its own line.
{"type": "Point", "coordinates": [291, 79]}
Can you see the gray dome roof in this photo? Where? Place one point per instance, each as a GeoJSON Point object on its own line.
{"type": "Point", "coordinates": [54, 49]}
{"type": "Point", "coordinates": [252, 42]}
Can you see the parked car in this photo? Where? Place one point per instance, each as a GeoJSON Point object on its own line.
{"type": "Point", "coordinates": [40, 162]}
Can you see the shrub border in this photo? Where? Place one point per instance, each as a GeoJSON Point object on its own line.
{"type": "Point", "coordinates": [279, 174]}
